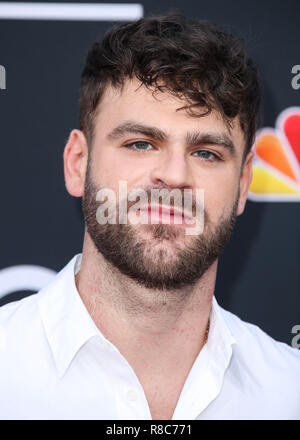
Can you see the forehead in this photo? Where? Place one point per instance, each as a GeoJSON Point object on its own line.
{"type": "Point", "coordinates": [136, 102]}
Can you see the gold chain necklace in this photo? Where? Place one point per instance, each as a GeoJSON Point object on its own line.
{"type": "Point", "coordinates": [206, 332]}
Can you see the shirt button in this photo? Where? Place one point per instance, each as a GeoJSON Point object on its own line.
{"type": "Point", "coordinates": [132, 395]}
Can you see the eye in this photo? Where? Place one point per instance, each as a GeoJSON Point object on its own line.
{"type": "Point", "coordinates": [206, 155]}
{"type": "Point", "coordinates": [139, 146]}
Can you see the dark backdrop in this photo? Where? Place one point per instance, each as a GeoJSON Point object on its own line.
{"type": "Point", "coordinates": [258, 277]}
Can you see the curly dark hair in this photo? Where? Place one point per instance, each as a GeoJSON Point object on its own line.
{"type": "Point", "coordinates": [197, 61]}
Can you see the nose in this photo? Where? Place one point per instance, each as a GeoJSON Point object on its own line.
{"type": "Point", "coordinates": [172, 170]}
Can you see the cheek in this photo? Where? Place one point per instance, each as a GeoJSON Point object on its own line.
{"type": "Point", "coordinates": [109, 170]}
{"type": "Point", "coordinates": [219, 197]}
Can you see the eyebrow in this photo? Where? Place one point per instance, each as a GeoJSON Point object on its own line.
{"type": "Point", "coordinates": [132, 127]}
{"type": "Point", "coordinates": [191, 138]}
{"type": "Point", "coordinates": [199, 139]}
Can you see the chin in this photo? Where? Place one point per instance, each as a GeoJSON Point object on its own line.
{"type": "Point", "coordinates": [161, 233]}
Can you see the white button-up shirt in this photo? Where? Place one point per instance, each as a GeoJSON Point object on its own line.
{"type": "Point", "coordinates": [56, 364]}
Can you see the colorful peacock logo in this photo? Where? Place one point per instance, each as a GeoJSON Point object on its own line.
{"type": "Point", "coordinates": [276, 166]}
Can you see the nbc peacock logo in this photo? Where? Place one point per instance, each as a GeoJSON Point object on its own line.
{"type": "Point", "coordinates": [276, 166]}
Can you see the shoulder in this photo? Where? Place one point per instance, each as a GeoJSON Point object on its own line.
{"type": "Point", "coordinates": [269, 358]}
{"type": "Point", "coordinates": [18, 321]}
{"type": "Point", "coordinates": [26, 313]}
{"type": "Point", "coordinates": [18, 309]}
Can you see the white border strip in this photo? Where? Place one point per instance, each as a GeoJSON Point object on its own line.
{"type": "Point", "coordinates": [71, 11]}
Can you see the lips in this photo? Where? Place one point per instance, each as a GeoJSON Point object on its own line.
{"type": "Point", "coordinates": [164, 214]}
{"type": "Point", "coordinates": [164, 210]}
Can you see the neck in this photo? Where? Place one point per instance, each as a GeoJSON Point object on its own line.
{"type": "Point", "coordinates": [159, 333]}
{"type": "Point", "coordinates": [104, 290]}
{"type": "Point", "coordinates": [117, 303]}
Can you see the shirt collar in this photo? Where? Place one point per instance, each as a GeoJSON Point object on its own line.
{"type": "Point", "coordinates": [220, 333]}
{"type": "Point", "coordinates": [67, 323]}
{"type": "Point", "coordinates": [69, 326]}
{"type": "Point", "coordinates": [205, 379]}
{"type": "Point", "coordinates": [220, 341]}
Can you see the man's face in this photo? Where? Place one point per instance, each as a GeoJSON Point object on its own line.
{"type": "Point", "coordinates": [141, 139]}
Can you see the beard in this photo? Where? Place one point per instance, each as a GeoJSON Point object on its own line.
{"type": "Point", "coordinates": [156, 256]}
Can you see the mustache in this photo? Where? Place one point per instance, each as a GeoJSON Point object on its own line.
{"type": "Point", "coordinates": [172, 202]}
{"type": "Point", "coordinates": [189, 202]}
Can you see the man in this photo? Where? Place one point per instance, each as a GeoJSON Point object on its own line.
{"type": "Point", "coordinates": [130, 328]}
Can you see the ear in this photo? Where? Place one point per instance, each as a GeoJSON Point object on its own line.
{"type": "Point", "coordinates": [75, 163]}
{"type": "Point", "coordinates": [245, 180]}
